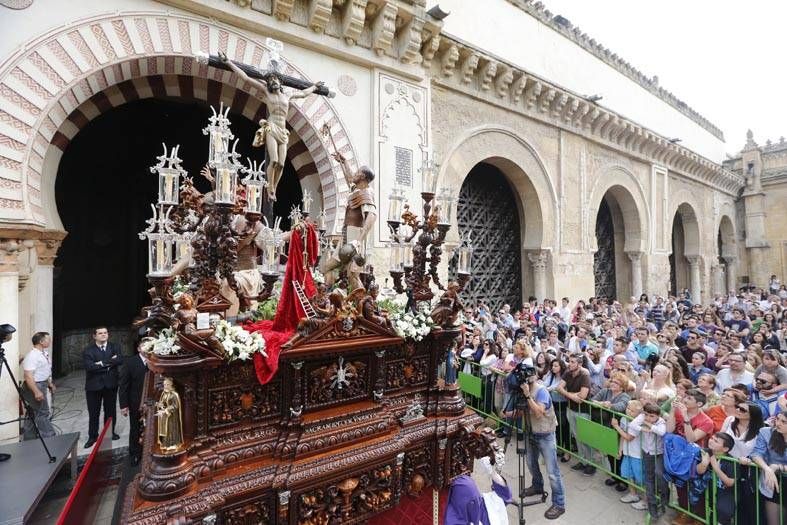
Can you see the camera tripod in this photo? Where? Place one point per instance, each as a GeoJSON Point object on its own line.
{"type": "Point", "coordinates": [518, 404]}
{"type": "Point", "coordinates": [28, 409]}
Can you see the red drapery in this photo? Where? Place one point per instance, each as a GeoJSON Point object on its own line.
{"type": "Point", "coordinates": [289, 310]}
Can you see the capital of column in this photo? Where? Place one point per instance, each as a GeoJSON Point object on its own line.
{"type": "Point", "coordinates": [694, 260]}
{"type": "Point", "coordinates": [634, 257]}
{"type": "Point", "coordinates": [46, 251]}
{"type": "Point", "coordinates": [729, 259]}
{"type": "Point", "coordinates": [9, 255]}
{"type": "Point", "coordinates": [539, 260]}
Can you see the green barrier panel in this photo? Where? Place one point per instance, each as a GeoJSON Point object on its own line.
{"type": "Point", "coordinates": [597, 436]}
{"type": "Point", "coordinates": [470, 384]}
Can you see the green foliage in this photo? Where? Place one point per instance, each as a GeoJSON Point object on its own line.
{"type": "Point", "coordinates": [266, 310]}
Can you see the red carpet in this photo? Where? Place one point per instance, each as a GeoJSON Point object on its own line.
{"type": "Point", "coordinates": [412, 511]}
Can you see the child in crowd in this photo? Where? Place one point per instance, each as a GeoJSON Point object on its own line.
{"type": "Point", "coordinates": [630, 449]}
{"type": "Point", "coordinates": [720, 445]}
{"type": "Point", "coordinates": [651, 427]}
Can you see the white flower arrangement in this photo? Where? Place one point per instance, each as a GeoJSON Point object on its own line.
{"type": "Point", "coordinates": [238, 343]}
{"type": "Point", "coordinates": [412, 325]}
{"type": "Point", "coordinates": [165, 344]}
{"type": "Point", "coordinates": [317, 276]}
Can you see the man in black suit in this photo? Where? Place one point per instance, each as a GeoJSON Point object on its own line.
{"type": "Point", "coordinates": [132, 377]}
{"type": "Point", "coordinates": [101, 360]}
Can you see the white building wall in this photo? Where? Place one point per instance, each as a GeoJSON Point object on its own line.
{"type": "Point", "coordinates": [509, 33]}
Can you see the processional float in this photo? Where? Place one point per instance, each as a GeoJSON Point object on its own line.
{"type": "Point", "coordinates": [332, 411]}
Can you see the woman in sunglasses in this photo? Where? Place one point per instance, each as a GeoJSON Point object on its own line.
{"type": "Point", "coordinates": [770, 454]}
{"type": "Point", "coordinates": [744, 426]}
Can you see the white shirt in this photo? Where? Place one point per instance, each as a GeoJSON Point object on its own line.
{"type": "Point", "coordinates": [652, 442]}
{"type": "Point", "coordinates": [37, 361]}
{"type": "Point", "coordinates": [741, 449]}
{"type": "Point", "coordinates": [725, 379]}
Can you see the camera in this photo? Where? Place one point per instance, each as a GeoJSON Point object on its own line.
{"type": "Point", "coordinates": [6, 331]}
{"type": "Point", "coordinates": [521, 374]}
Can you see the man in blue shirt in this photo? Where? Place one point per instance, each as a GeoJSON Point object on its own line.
{"type": "Point", "coordinates": [698, 367]}
{"type": "Point", "coordinates": [643, 346]}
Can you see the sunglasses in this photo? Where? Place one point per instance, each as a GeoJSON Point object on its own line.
{"type": "Point", "coordinates": [742, 408]}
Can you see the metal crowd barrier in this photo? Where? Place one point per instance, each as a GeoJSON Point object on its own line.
{"type": "Point", "coordinates": [594, 430]}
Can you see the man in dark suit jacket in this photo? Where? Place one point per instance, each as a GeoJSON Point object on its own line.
{"type": "Point", "coordinates": [101, 360]}
{"type": "Point", "coordinates": [132, 377]}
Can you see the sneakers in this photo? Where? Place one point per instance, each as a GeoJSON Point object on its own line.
{"type": "Point", "coordinates": [639, 505]}
{"type": "Point", "coordinates": [532, 491]}
{"type": "Point", "coordinates": [554, 512]}
{"type": "Point", "coordinates": [578, 466]}
{"type": "Point", "coordinates": [621, 487]}
{"type": "Point", "coordinates": [629, 498]}
{"type": "Point", "coordinates": [610, 481]}
{"type": "Point", "coordinates": [589, 470]}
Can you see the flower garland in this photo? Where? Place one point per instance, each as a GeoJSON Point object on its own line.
{"type": "Point", "coordinates": [238, 343]}
{"type": "Point", "coordinates": [164, 344]}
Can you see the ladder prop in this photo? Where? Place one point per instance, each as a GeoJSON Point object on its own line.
{"type": "Point", "coordinates": [305, 304]}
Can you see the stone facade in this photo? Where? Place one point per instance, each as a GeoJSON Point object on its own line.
{"type": "Point", "coordinates": [761, 207]}
{"type": "Point", "coordinates": [407, 89]}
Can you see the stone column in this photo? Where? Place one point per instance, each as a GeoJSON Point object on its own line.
{"type": "Point", "coordinates": [696, 281]}
{"type": "Point", "coordinates": [9, 313]}
{"type": "Point", "coordinates": [732, 278]}
{"type": "Point", "coordinates": [46, 251]}
{"type": "Point", "coordinates": [717, 279]}
{"type": "Point", "coordinates": [539, 261]}
{"type": "Point", "coordinates": [636, 273]}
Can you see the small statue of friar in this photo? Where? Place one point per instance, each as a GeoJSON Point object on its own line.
{"type": "Point", "coordinates": [170, 422]}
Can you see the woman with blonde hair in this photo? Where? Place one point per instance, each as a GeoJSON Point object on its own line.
{"type": "Point", "coordinates": [660, 383]}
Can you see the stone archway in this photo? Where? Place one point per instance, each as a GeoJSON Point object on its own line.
{"type": "Point", "coordinates": [46, 81]}
{"type": "Point", "coordinates": [685, 260]}
{"type": "Point", "coordinates": [724, 275]}
{"type": "Point", "coordinates": [536, 199]}
{"type": "Point", "coordinates": [620, 238]}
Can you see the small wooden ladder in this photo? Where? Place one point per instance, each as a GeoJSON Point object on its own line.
{"type": "Point", "coordinates": [308, 309]}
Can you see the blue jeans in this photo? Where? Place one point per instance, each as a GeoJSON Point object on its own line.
{"type": "Point", "coordinates": [545, 445]}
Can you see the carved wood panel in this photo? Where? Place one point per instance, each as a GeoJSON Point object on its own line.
{"type": "Point", "coordinates": [339, 380]}
{"type": "Point", "coordinates": [487, 210]}
{"type": "Point", "coordinates": [257, 511]}
{"type": "Point", "coordinates": [234, 395]}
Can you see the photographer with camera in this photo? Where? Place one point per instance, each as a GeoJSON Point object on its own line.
{"type": "Point", "coordinates": [543, 422]}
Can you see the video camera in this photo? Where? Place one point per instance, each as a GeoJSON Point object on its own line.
{"type": "Point", "coordinates": [520, 375]}
{"type": "Point", "coordinates": [6, 331]}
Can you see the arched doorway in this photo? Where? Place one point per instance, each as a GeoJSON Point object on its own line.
{"type": "Point", "coordinates": [604, 264]}
{"type": "Point", "coordinates": [727, 251]}
{"type": "Point", "coordinates": [104, 189]}
{"type": "Point", "coordinates": [685, 257]}
{"type": "Point", "coordinates": [488, 211]}
{"type": "Point", "coordinates": [619, 238]}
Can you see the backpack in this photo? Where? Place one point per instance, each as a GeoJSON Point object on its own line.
{"type": "Point", "coordinates": [680, 459]}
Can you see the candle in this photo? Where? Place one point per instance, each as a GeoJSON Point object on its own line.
{"type": "Point", "coordinates": [159, 256]}
{"type": "Point", "coordinates": [218, 147]}
{"type": "Point", "coordinates": [223, 185]}
{"type": "Point", "coordinates": [321, 221]}
{"type": "Point", "coordinates": [252, 192]}
{"type": "Point", "coordinates": [270, 257]}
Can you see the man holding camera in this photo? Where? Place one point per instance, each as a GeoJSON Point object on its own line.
{"type": "Point", "coordinates": [542, 441]}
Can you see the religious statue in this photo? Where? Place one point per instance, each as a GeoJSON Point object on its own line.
{"type": "Point", "coordinates": [247, 275]}
{"type": "Point", "coordinates": [370, 310]}
{"type": "Point", "coordinates": [168, 413]}
{"type": "Point", "coordinates": [185, 322]}
{"type": "Point", "coordinates": [360, 213]}
{"type": "Point", "coordinates": [447, 310]}
{"type": "Point", "coordinates": [273, 132]}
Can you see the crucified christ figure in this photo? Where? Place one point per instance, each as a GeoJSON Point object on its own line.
{"type": "Point", "coordinates": [273, 132]}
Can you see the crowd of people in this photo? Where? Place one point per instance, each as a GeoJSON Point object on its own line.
{"type": "Point", "coordinates": [666, 373]}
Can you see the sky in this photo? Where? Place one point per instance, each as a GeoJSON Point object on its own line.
{"type": "Point", "coordinates": [721, 57]}
{"type": "Point", "coordinates": [724, 58]}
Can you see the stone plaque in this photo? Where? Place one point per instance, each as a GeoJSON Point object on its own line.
{"type": "Point", "coordinates": [404, 166]}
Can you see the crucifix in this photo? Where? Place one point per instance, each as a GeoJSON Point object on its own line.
{"type": "Point", "coordinates": [273, 133]}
